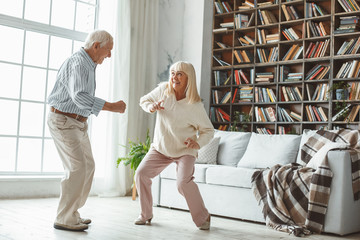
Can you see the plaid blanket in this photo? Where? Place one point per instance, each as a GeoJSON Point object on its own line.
{"type": "Point", "coordinates": [294, 197]}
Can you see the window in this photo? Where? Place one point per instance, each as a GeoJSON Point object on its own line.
{"type": "Point", "coordinates": [37, 36]}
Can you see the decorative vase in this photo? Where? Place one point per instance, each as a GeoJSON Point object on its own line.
{"type": "Point", "coordinates": [342, 94]}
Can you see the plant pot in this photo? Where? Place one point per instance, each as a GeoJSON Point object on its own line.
{"type": "Point", "coordinates": [342, 94]}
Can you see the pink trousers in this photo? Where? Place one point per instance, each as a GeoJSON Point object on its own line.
{"type": "Point", "coordinates": [151, 166]}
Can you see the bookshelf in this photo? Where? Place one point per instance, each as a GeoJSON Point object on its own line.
{"type": "Point", "coordinates": [279, 60]}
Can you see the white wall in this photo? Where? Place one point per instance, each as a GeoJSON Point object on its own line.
{"type": "Point", "coordinates": [185, 34]}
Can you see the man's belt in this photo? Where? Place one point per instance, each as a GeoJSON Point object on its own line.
{"type": "Point", "coordinates": [72, 115]}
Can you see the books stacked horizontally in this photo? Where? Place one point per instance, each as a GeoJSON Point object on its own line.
{"type": "Point", "coordinates": [264, 77]}
{"type": "Point", "coordinates": [286, 76]}
{"type": "Point", "coordinates": [246, 5]}
{"type": "Point", "coordinates": [349, 47]}
{"type": "Point", "coordinates": [317, 49]}
{"type": "Point", "coordinates": [224, 27]}
{"type": "Point", "coordinates": [348, 24]}
{"type": "Point", "coordinates": [246, 94]}
{"type": "Point", "coordinates": [318, 72]}
{"type": "Point", "coordinates": [350, 69]}
{"type": "Point", "coordinates": [349, 5]}
{"type": "Point", "coordinates": [315, 114]}
{"type": "Point", "coordinates": [222, 7]}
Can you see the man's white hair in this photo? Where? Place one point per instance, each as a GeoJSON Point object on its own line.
{"type": "Point", "coordinates": [101, 36]}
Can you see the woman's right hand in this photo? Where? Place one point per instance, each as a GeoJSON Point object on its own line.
{"type": "Point", "coordinates": [157, 106]}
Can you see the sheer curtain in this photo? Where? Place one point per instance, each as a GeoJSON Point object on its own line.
{"type": "Point", "coordinates": [130, 73]}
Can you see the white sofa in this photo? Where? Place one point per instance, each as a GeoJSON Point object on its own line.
{"type": "Point", "coordinates": [226, 185]}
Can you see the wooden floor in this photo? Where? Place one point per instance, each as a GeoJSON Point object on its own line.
{"type": "Point", "coordinates": [113, 219]}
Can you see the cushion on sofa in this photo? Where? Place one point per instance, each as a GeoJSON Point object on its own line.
{"type": "Point", "coordinates": [208, 153]}
{"type": "Point", "coordinates": [268, 150]}
{"type": "Point", "coordinates": [230, 176]}
{"type": "Point", "coordinates": [307, 133]}
{"type": "Point", "coordinates": [199, 173]}
{"type": "Point", "coordinates": [232, 146]}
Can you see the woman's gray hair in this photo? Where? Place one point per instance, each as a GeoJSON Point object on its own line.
{"type": "Point", "coordinates": [101, 36]}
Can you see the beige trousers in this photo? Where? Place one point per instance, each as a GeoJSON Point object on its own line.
{"type": "Point", "coordinates": [73, 145]}
{"type": "Point", "coordinates": [152, 165]}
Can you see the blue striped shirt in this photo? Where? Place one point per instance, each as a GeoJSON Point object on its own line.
{"type": "Point", "coordinates": [74, 90]}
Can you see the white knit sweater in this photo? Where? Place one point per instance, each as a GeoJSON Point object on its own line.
{"type": "Point", "coordinates": [176, 122]}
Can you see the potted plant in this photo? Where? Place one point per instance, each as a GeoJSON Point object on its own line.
{"type": "Point", "coordinates": [242, 118]}
{"type": "Point", "coordinates": [341, 90]}
{"type": "Point", "coordinates": [137, 151]}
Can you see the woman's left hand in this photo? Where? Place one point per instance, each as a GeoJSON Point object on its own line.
{"type": "Point", "coordinates": [191, 144]}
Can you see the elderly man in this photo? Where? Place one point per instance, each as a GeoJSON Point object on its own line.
{"type": "Point", "coordinates": [71, 102]}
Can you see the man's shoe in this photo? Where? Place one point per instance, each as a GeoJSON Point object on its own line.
{"type": "Point", "coordinates": [75, 227]}
{"type": "Point", "coordinates": [85, 220]}
{"type": "Point", "coordinates": [206, 224]}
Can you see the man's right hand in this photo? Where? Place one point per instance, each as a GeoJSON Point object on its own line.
{"type": "Point", "coordinates": [119, 106]}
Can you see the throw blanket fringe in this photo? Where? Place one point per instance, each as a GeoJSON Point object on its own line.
{"type": "Point", "coordinates": [294, 197]}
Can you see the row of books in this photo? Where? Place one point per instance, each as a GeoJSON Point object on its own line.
{"type": "Point", "coordinates": [341, 112]}
{"type": "Point", "coordinates": [264, 37]}
{"type": "Point", "coordinates": [243, 20]}
{"type": "Point", "coordinates": [222, 7]}
{"type": "Point", "coordinates": [243, 56]}
{"type": "Point", "coordinates": [290, 12]}
{"type": "Point", "coordinates": [266, 55]}
{"type": "Point", "coordinates": [317, 29]}
{"type": "Point", "coordinates": [219, 115]}
{"type": "Point", "coordinates": [348, 24]}
{"type": "Point", "coordinates": [350, 69]}
{"type": "Point", "coordinates": [318, 72]}
{"type": "Point", "coordinates": [315, 114]}
{"type": "Point", "coordinates": [263, 131]}
{"type": "Point", "coordinates": [293, 53]}
{"type": "Point", "coordinates": [220, 97]}
{"type": "Point", "coordinates": [267, 17]}
{"type": "Point", "coordinates": [221, 62]}
{"type": "Point", "coordinates": [354, 91]}
{"type": "Point", "coordinates": [314, 10]}
{"type": "Point", "coordinates": [317, 49]}
{"type": "Point", "coordinates": [246, 40]}
{"type": "Point", "coordinates": [284, 116]}
{"type": "Point", "coordinates": [349, 47]}
{"type": "Point", "coordinates": [221, 78]}
{"type": "Point", "coordinates": [291, 94]}
{"type": "Point", "coordinates": [265, 114]}
{"type": "Point", "coordinates": [240, 77]}
{"type": "Point", "coordinates": [291, 34]}
{"type": "Point", "coordinates": [265, 95]}
{"type": "Point", "coordinates": [318, 93]}
{"type": "Point", "coordinates": [223, 127]}
{"type": "Point", "coordinates": [353, 114]}
{"type": "Point", "coordinates": [349, 5]}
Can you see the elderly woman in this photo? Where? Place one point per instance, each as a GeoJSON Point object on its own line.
{"type": "Point", "coordinates": [182, 128]}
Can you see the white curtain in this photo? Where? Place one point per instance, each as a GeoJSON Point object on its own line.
{"type": "Point", "coordinates": [130, 73]}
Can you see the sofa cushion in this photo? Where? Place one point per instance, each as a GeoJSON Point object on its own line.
{"type": "Point", "coordinates": [268, 150]}
{"type": "Point", "coordinates": [307, 133]}
{"type": "Point", "coordinates": [208, 153]}
{"type": "Point", "coordinates": [230, 176]}
{"type": "Point", "coordinates": [232, 146]}
{"type": "Point", "coordinates": [199, 173]}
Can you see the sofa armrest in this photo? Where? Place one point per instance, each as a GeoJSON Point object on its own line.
{"type": "Point", "coordinates": [342, 215]}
